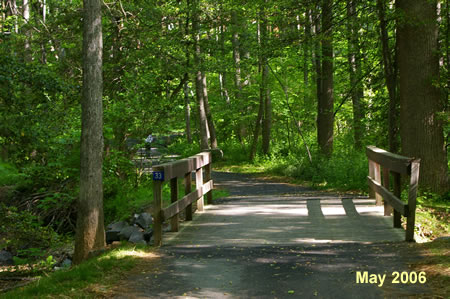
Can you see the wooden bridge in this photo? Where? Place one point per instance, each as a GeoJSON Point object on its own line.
{"type": "Point", "coordinates": [275, 240]}
{"type": "Point", "coordinates": [274, 214]}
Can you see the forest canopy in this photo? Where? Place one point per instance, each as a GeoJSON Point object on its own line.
{"type": "Point", "coordinates": [304, 85]}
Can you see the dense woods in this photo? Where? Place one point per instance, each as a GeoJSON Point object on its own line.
{"type": "Point", "coordinates": [304, 85]}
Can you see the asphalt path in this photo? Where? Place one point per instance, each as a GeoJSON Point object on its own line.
{"type": "Point", "coordinates": [276, 240]}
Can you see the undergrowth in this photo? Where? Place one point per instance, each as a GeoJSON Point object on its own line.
{"type": "Point", "coordinates": [75, 282]}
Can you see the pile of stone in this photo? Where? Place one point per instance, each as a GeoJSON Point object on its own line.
{"type": "Point", "coordinates": [139, 232]}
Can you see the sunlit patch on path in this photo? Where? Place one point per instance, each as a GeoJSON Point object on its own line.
{"type": "Point", "coordinates": [275, 240]}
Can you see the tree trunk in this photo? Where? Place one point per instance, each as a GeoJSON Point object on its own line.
{"type": "Point", "coordinates": [237, 74]}
{"type": "Point", "coordinates": [421, 127]}
{"type": "Point", "coordinates": [325, 117]}
{"type": "Point", "coordinates": [199, 78]}
{"type": "Point", "coordinates": [26, 17]}
{"type": "Point", "coordinates": [187, 112]}
{"type": "Point", "coordinates": [212, 129]}
{"type": "Point", "coordinates": [264, 89]}
{"type": "Point", "coordinates": [354, 62]}
{"type": "Point", "coordinates": [223, 72]}
{"type": "Point", "coordinates": [257, 127]}
{"type": "Point", "coordinates": [390, 74]}
{"type": "Point", "coordinates": [90, 231]}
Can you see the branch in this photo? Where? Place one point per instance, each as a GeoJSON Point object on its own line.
{"type": "Point", "coordinates": [179, 87]}
{"type": "Point", "coordinates": [284, 87]}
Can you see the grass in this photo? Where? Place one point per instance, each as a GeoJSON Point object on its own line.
{"type": "Point", "coordinates": [436, 265]}
{"type": "Point", "coordinates": [92, 279]}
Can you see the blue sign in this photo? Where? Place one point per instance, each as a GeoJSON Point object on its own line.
{"type": "Point", "coordinates": [158, 175]}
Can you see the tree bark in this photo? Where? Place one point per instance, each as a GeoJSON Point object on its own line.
{"type": "Point", "coordinates": [390, 74]}
{"type": "Point", "coordinates": [421, 126]}
{"type": "Point", "coordinates": [199, 78]}
{"type": "Point", "coordinates": [264, 88]}
{"type": "Point", "coordinates": [187, 112]}
{"type": "Point", "coordinates": [26, 17]}
{"type": "Point", "coordinates": [325, 117]}
{"type": "Point", "coordinates": [90, 232]}
{"type": "Point", "coordinates": [354, 61]}
{"type": "Point", "coordinates": [212, 129]}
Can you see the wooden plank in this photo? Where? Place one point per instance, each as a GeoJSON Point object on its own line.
{"type": "Point", "coordinates": [187, 190]}
{"type": "Point", "coordinates": [412, 195]}
{"type": "Point", "coordinates": [387, 159]}
{"type": "Point", "coordinates": [157, 219]}
{"type": "Point", "coordinates": [397, 193]}
{"type": "Point", "coordinates": [202, 159]}
{"type": "Point", "coordinates": [387, 207]}
{"type": "Point", "coordinates": [181, 167]}
{"type": "Point", "coordinates": [396, 203]}
{"type": "Point", "coordinates": [184, 202]}
{"type": "Point", "coordinates": [176, 169]}
{"type": "Point", "coordinates": [377, 178]}
{"type": "Point", "coordinates": [173, 198]}
{"type": "Point", "coordinates": [181, 204]}
{"type": "Point", "coordinates": [372, 175]}
{"type": "Point", "coordinates": [198, 185]}
{"type": "Point", "coordinates": [208, 178]}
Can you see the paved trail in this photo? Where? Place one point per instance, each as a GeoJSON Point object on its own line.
{"type": "Point", "coordinates": [275, 240]}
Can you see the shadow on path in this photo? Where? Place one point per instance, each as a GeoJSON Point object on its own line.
{"type": "Point", "coordinates": [275, 240]}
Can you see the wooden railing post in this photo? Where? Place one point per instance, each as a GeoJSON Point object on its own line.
{"type": "Point", "coordinates": [157, 204]}
{"type": "Point", "coordinates": [387, 207]}
{"type": "Point", "coordinates": [372, 175]}
{"type": "Point", "coordinates": [187, 190]}
{"type": "Point", "coordinates": [377, 178]}
{"type": "Point", "coordinates": [412, 195]}
{"type": "Point", "coordinates": [173, 198]}
{"type": "Point", "coordinates": [198, 185]}
{"type": "Point", "coordinates": [398, 193]}
{"type": "Point", "coordinates": [208, 178]}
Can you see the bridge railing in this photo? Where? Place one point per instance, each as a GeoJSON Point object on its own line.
{"type": "Point", "coordinates": [171, 172]}
{"type": "Point", "coordinates": [379, 185]}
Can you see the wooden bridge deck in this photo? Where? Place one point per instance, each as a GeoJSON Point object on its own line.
{"type": "Point", "coordinates": [283, 214]}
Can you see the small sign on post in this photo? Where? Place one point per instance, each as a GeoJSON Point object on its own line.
{"type": "Point", "coordinates": [158, 175]}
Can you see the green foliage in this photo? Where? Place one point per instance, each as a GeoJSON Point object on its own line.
{"type": "Point", "coordinates": [73, 282]}
{"type": "Point", "coordinates": [9, 175]}
{"type": "Point", "coordinates": [22, 233]}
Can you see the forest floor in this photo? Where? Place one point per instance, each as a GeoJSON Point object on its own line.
{"type": "Point", "coordinates": [276, 240]}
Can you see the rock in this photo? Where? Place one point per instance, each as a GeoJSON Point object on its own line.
{"type": "Point", "coordinates": [117, 226]}
{"type": "Point", "coordinates": [144, 220]}
{"type": "Point", "coordinates": [112, 235]}
{"type": "Point", "coordinates": [137, 237]}
{"type": "Point", "coordinates": [148, 234]}
{"type": "Point", "coordinates": [126, 232]}
{"type": "Point", "coordinates": [167, 229]}
{"type": "Point", "coordinates": [66, 263]}
{"type": "Point", "coordinates": [216, 154]}
{"type": "Point", "coordinates": [6, 258]}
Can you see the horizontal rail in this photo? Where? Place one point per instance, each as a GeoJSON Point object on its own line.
{"type": "Point", "coordinates": [389, 160]}
{"type": "Point", "coordinates": [182, 203]}
{"type": "Point", "coordinates": [179, 168]}
{"type": "Point", "coordinates": [393, 200]}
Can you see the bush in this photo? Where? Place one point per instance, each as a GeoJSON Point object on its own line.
{"type": "Point", "coordinates": [9, 175]}
{"type": "Point", "coordinates": [23, 234]}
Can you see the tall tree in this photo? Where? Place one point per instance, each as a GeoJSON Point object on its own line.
{"type": "Point", "coordinates": [325, 117]}
{"type": "Point", "coordinates": [354, 62]}
{"type": "Point", "coordinates": [90, 231]}
{"type": "Point", "coordinates": [390, 74]}
{"type": "Point", "coordinates": [199, 76]}
{"type": "Point", "coordinates": [264, 88]}
{"type": "Point", "coordinates": [421, 125]}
